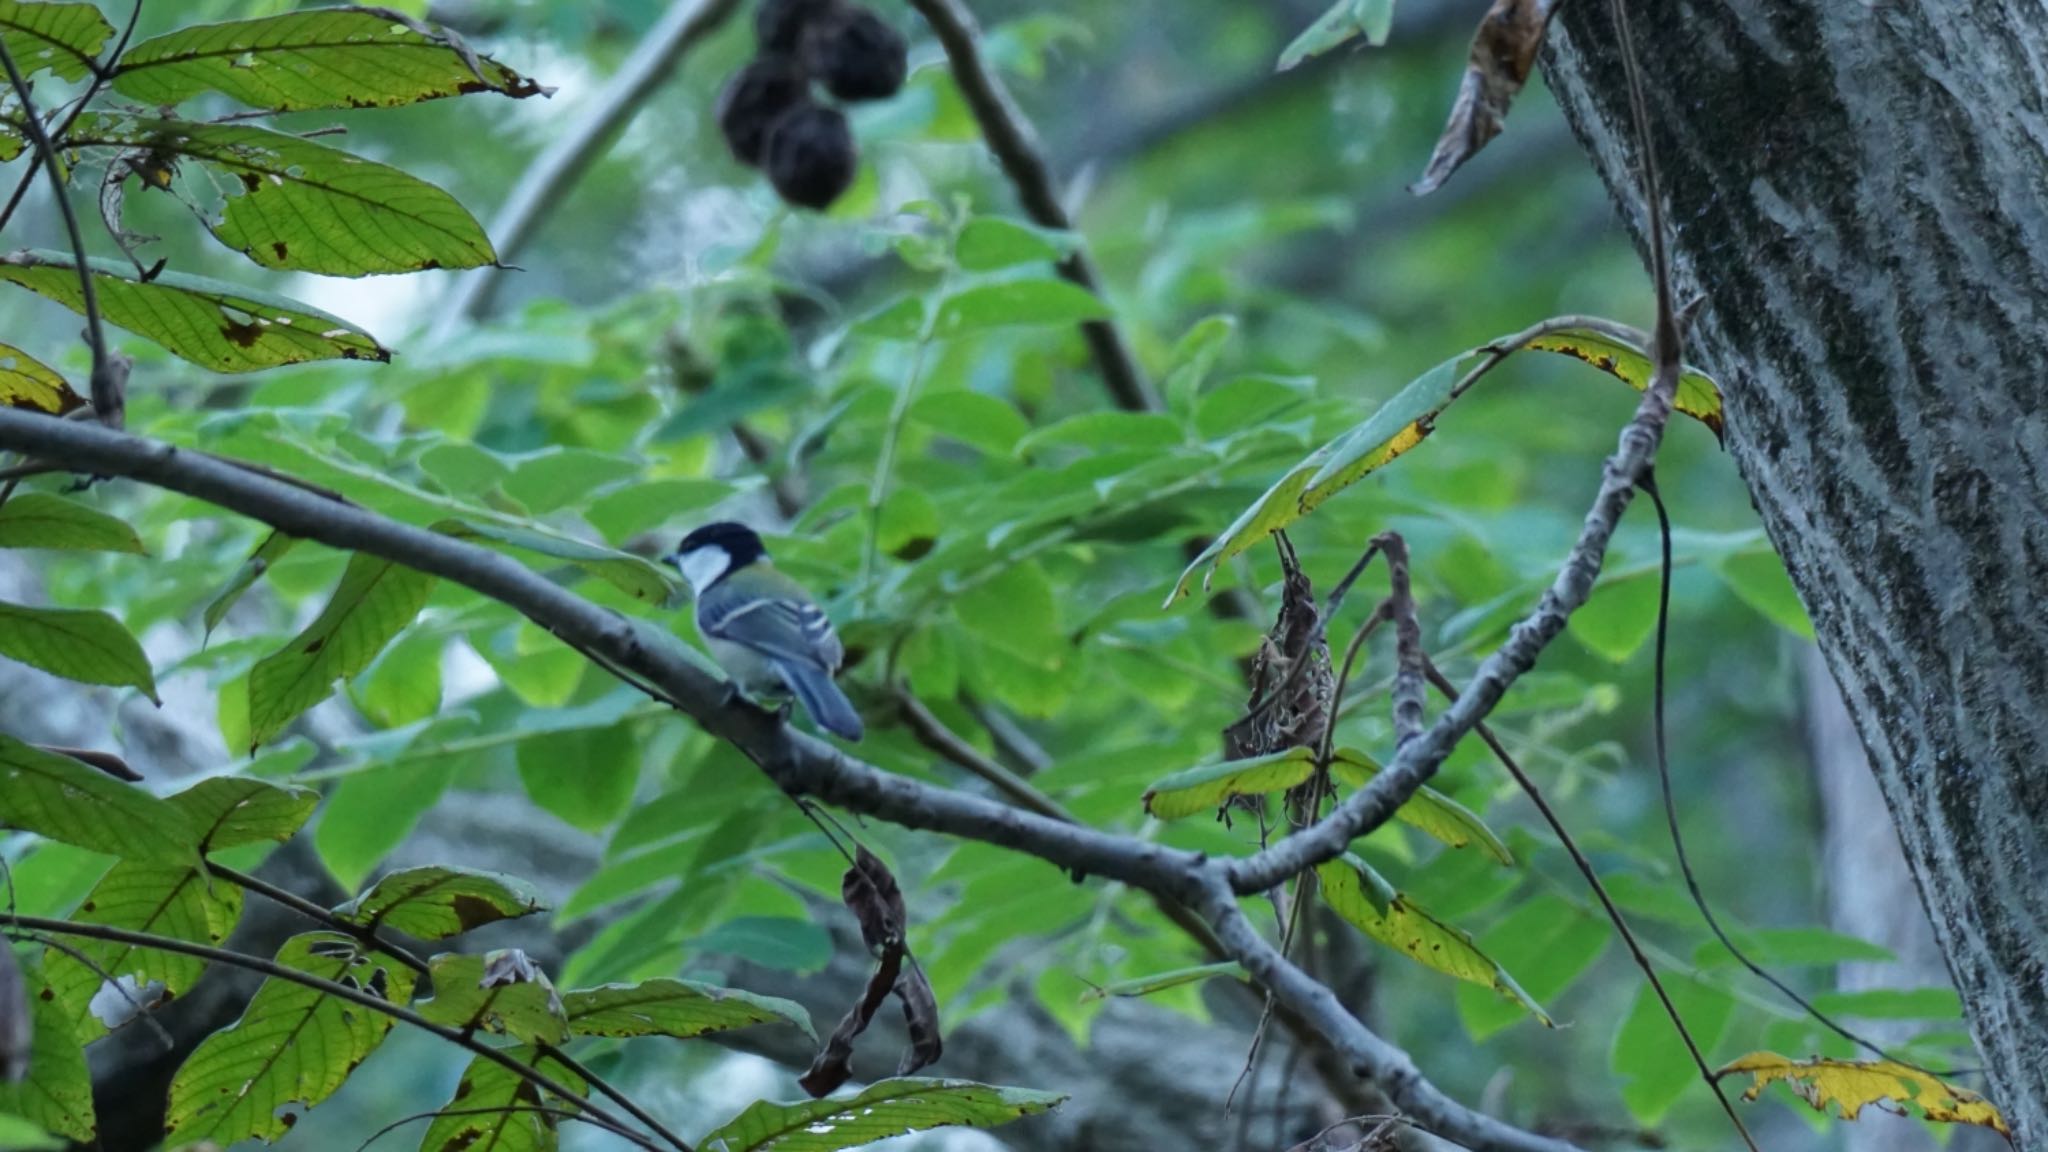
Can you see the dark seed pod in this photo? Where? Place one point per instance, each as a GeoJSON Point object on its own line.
{"type": "Point", "coordinates": [779, 24]}
{"type": "Point", "coordinates": [754, 99]}
{"type": "Point", "coordinates": [856, 54]}
{"type": "Point", "coordinates": [811, 156]}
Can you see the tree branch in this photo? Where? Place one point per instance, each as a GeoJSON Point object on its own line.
{"type": "Point", "coordinates": [798, 762]}
{"type": "Point", "coordinates": [1015, 144]}
{"type": "Point", "coordinates": [563, 164]}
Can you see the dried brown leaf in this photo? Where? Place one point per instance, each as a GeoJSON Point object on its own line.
{"type": "Point", "coordinates": [1503, 54]}
{"type": "Point", "coordinates": [921, 1015]}
{"type": "Point", "coordinates": [870, 890]}
{"type": "Point", "coordinates": [834, 1064]}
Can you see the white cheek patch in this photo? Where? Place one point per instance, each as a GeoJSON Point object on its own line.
{"type": "Point", "coordinates": [702, 566]}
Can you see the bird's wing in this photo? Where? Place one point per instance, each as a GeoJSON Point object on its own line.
{"type": "Point", "coordinates": [781, 628]}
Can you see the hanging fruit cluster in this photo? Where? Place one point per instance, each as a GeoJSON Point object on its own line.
{"type": "Point", "coordinates": [768, 114]}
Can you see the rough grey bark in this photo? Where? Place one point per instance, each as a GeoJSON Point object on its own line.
{"type": "Point", "coordinates": [1871, 895]}
{"type": "Point", "coordinates": [1857, 188]}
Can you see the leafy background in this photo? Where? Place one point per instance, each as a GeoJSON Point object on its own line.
{"type": "Point", "coordinates": [1027, 540]}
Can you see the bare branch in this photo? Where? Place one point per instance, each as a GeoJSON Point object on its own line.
{"type": "Point", "coordinates": [1015, 144]}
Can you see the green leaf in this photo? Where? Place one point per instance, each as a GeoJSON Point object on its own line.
{"type": "Point", "coordinates": [269, 552]}
{"type": "Point", "coordinates": [1428, 811]}
{"type": "Point", "coordinates": [66, 801]}
{"type": "Point", "coordinates": [180, 901]}
{"type": "Point", "coordinates": [1937, 1003]}
{"type": "Point", "coordinates": [992, 242]}
{"type": "Point", "coordinates": [18, 1135]}
{"type": "Point", "coordinates": [40, 520]}
{"type": "Point", "coordinates": [220, 326]}
{"type": "Point", "coordinates": [65, 39]}
{"type": "Point", "coordinates": [370, 813]}
{"type": "Point", "coordinates": [1162, 981]}
{"type": "Point", "coordinates": [56, 1095]}
{"type": "Point", "coordinates": [1017, 304]}
{"type": "Point", "coordinates": [778, 942]}
{"type": "Point", "coordinates": [1205, 788]}
{"type": "Point", "coordinates": [1345, 20]}
{"type": "Point", "coordinates": [1618, 619]}
{"type": "Point", "coordinates": [1698, 396]}
{"type": "Point", "coordinates": [26, 382]}
{"type": "Point", "coordinates": [888, 1108]}
{"type": "Point", "coordinates": [1018, 613]}
{"type": "Point", "coordinates": [1793, 948]}
{"type": "Point", "coordinates": [558, 477]}
{"type": "Point", "coordinates": [677, 1008]}
{"type": "Point", "coordinates": [495, 1110]}
{"type": "Point", "coordinates": [1649, 1058]}
{"type": "Point", "coordinates": [374, 601]}
{"type": "Point", "coordinates": [1548, 944]}
{"type": "Point", "coordinates": [1759, 579]}
{"type": "Point", "coordinates": [404, 685]}
{"type": "Point", "coordinates": [437, 902]}
{"type": "Point", "coordinates": [520, 1002]}
{"type": "Point", "coordinates": [638, 578]}
{"type": "Point", "coordinates": [293, 1045]}
{"type": "Point", "coordinates": [586, 776]}
{"type": "Point", "coordinates": [1194, 357]}
{"type": "Point", "coordinates": [1356, 893]}
{"type": "Point", "coordinates": [324, 58]}
{"type": "Point", "coordinates": [88, 646]}
{"type": "Point", "coordinates": [989, 424]}
{"type": "Point", "coordinates": [637, 508]}
{"type": "Point", "coordinates": [1395, 427]}
{"type": "Point", "coordinates": [1104, 431]}
{"type": "Point", "coordinates": [299, 205]}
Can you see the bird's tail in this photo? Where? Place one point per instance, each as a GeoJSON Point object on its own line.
{"type": "Point", "coordinates": [821, 698]}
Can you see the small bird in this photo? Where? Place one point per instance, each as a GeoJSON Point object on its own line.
{"type": "Point", "coordinates": [762, 627]}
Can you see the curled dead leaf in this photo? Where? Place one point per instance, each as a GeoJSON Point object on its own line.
{"type": "Point", "coordinates": [870, 890]}
{"type": "Point", "coordinates": [1503, 54]}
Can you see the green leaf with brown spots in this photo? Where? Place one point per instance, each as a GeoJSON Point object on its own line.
{"type": "Point", "coordinates": [85, 645]}
{"type": "Point", "coordinates": [887, 1108]}
{"type": "Point", "coordinates": [375, 600]}
{"type": "Point", "coordinates": [65, 800]}
{"type": "Point", "coordinates": [220, 326]}
{"type": "Point", "coordinates": [437, 902]}
{"type": "Point", "coordinates": [1428, 811]}
{"type": "Point", "coordinates": [64, 39]}
{"type": "Point", "coordinates": [295, 204]}
{"type": "Point", "coordinates": [294, 1045]}
{"type": "Point", "coordinates": [1626, 360]}
{"type": "Point", "coordinates": [1207, 787]}
{"type": "Point", "coordinates": [26, 382]}
{"type": "Point", "coordinates": [496, 1110]}
{"type": "Point", "coordinates": [1368, 903]}
{"type": "Point", "coordinates": [501, 992]}
{"type": "Point", "coordinates": [40, 520]}
{"type": "Point", "coordinates": [321, 58]}
{"type": "Point", "coordinates": [56, 1094]}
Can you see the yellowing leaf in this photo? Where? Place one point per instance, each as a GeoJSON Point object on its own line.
{"type": "Point", "coordinates": [1428, 811]}
{"type": "Point", "coordinates": [1698, 396]}
{"type": "Point", "coordinates": [1851, 1085]}
{"type": "Point", "coordinates": [1358, 894]}
{"type": "Point", "coordinates": [1206, 787]}
{"type": "Point", "coordinates": [26, 382]}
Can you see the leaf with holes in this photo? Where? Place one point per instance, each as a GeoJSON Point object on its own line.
{"type": "Point", "coordinates": [88, 646]}
{"type": "Point", "coordinates": [322, 58]}
{"type": "Point", "coordinates": [375, 600]}
{"type": "Point", "coordinates": [495, 1110]}
{"type": "Point", "coordinates": [28, 383]}
{"type": "Point", "coordinates": [436, 902]}
{"type": "Point", "coordinates": [1428, 811]}
{"type": "Point", "coordinates": [1846, 1087]}
{"type": "Point", "coordinates": [269, 552]}
{"type": "Point", "coordinates": [1368, 903]}
{"type": "Point", "coordinates": [64, 39]}
{"type": "Point", "coordinates": [294, 1045]}
{"type": "Point", "coordinates": [887, 1108]}
{"type": "Point", "coordinates": [298, 205]}
{"type": "Point", "coordinates": [1207, 787]}
{"type": "Point", "coordinates": [40, 520]}
{"type": "Point", "coordinates": [216, 325]}
{"type": "Point", "coordinates": [678, 1008]}
{"type": "Point", "coordinates": [62, 799]}
{"type": "Point", "coordinates": [1343, 22]}
{"type": "Point", "coordinates": [501, 992]}
{"type": "Point", "coordinates": [628, 573]}
{"type": "Point", "coordinates": [56, 1094]}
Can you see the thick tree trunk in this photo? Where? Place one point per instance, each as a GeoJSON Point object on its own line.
{"type": "Point", "coordinates": [1858, 189]}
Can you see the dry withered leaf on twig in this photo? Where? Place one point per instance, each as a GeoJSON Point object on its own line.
{"type": "Point", "coordinates": [1503, 54]}
{"type": "Point", "coordinates": [871, 892]}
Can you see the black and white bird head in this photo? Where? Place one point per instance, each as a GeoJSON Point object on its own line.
{"type": "Point", "coordinates": [708, 553]}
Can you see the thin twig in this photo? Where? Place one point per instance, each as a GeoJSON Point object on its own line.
{"type": "Point", "coordinates": [456, 1036]}
{"type": "Point", "coordinates": [107, 980]}
{"type": "Point", "coordinates": [1016, 147]}
{"type": "Point", "coordinates": [549, 1051]}
{"type": "Point", "coordinates": [95, 335]}
{"type": "Point", "coordinates": [1614, 916]}
{"type": "Point", "coordinates": [1408, 657]}
{"type": "Point", "coordinates": [509, 1110]}
{"type": "Point", "coordinates": [100, 76]}
{"type": "Point", "coordinates": [933, 734]}
{"type": "Point", "coordinates": [576, 153]}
